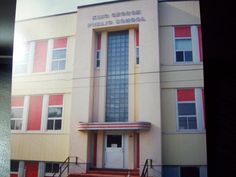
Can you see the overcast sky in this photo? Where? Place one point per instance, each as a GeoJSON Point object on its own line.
{"type": "Point", "coordinates": [36, 8]}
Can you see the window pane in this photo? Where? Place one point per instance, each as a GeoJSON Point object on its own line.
{"type": "Point", "coordinates": [179, 56]}
{"type": "Point", "coordinates": [188, 56]}
{"type": "Point", "coordinates": [12, 124]}
{"type": "Point", "coordinates": [55, 167]}
{"type": "Point", "coordinates": [57, 124]}
{"type": "Point", "coordinates": [16, 112]}
{"type": "Point", "coordinates": [50, 125]}
{"type": "Point", "coordinates": [18, 124]}
{"type": "Point", "coordinates": [137, 55]}
{"type": "Point", "coordinates": [183, 44]}
{"type": "Point", "coordinates": [48, 168]}
{"type": "Point", "coordinates": [114, 141]}
{"type": "Point", "coordinates": [62, 65]}
{"type": "Point", "coordinates": [192, 122]}
{"type": "Point", "coordinates": [55, 65]}
{"type": "Point", "coordinates": [183, 123]}
{"type": "Point", "coordinates": [58, 54]}
{"type": "Point", "coordinates": [186, 109]}
{"type": "Point", "coordinates": [55, 112]}
{"type": "Point", "coordinates": [98, 63]}
{"type": "Point", "coordinates": [14, 166]}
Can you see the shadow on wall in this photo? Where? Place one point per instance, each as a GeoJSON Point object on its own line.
{"type": "Point", "coordinates": [5, 95]}
{"type": "Point", "coordinates": [179, 13]}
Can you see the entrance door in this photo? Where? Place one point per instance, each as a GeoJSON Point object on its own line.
{"type": "Point", "coordinates": [31, 169]}
{"type": "Point", "coordinates": [114, 151]}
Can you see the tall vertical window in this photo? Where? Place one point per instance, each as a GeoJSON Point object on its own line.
{"type": "Point", "coordinates": [187, 117]}
{"type": "Point", "coordinates": [117, 77]}
{"type": "Point", "coordinates": [183, 44]}
{"type": "Point", "coordinates": [190, 109]}
{"type": "Point", "coordinates": [98, 50]}
{"type": "Point", "coordinates": [55, 110]}
{"type": "Point", "coordinates": [59, 54]}
{"type": "Point", "coordinates": [21, 59]}
{"type": "Point", "coordinates": [17, 108]}
{"type": "Point", "coordinates": [188, 44]}
{"type": "Point", "coordinates": [137, 46]}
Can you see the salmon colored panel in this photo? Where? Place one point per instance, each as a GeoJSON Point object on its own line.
{"type": "Point", "coordinates": [95, 150]}
{"type": "Point", "coordinates": [40, 56]}
{"type": "Point", "coordinates": [35, 112]}
{"type": "Point", "coordinates": [13, 175]}
{"type": "Point", "coordinates": [183, 31]}
{"type": "Point", "coordinates": [17, 101]}
{"type": "Point", "coordinates": [137, 38]}
{"type": "Point", "coordinates": [200, 42]}
{"type": "Point", "coordinates": [60, 43]}
{"type": "Point", "coordinates": [138, 152]}
{"type": "Point", "coordinates": [31, 169]}
{"type": "Point", "coordinates": [99, 41]}
{"type": "Point", "coordinates": [186, 95]}
{"type": "Point", "coordinates": [56, 100]}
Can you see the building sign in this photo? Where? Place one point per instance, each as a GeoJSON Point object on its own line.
{"type": "Point", "coordinates": [117, 18]}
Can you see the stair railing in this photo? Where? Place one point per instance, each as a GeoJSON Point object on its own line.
{"type": "Point", "coordinates": [65, 166]}
{"type": "Point", "coordinates": [146, 167]}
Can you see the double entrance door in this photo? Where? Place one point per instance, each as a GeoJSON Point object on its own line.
{"type": "Point", "coordinates": [115, 150]}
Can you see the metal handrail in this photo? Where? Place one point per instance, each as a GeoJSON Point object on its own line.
{"type": "Point", "coordinates": [67, 166]}
{"type": "Point", "coordinates": [145, 168]}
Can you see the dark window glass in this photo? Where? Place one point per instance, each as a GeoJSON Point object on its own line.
{"type": "Point", "coordinates": [179, 56]}
{"type": "Point", "coordinates": [186, 109]}
{"type": "Point", "coordinates": [52, 167]}
{"type": "Point", "coordinates": [183, 123]}
{"type": "Point", "coordinates": [114, 141]}
{"type": "Point", "coordinates": [192, 122]}
{"type": "Point", "coordinates": [57, 124]}
{"type": "Point", "coordinates": [137, 55]}
{"type": "Point", "coordinates": [189, 172]}
{"type": "Point", "coordinates": [50, 124]}
{"type": "Point", "coordinates": [55, 112]}
{"type": "Point", "coordinates": [188, 56]}
{"type": "Point", "coordinates": [97, 63]}
{"type": "Point", "coordinates": [14, 166]}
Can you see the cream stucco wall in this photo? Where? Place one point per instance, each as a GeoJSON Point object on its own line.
{"type": "Point", "coordinates": [87, 95]}
{"type": "Point", "coordinates": [178, 148]}
{"type": "Point", "coordinates": [43, 145]}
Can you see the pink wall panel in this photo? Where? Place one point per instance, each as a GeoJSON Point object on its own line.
{"type": "Point", "coordinates": [13, 175]}
{"type": "Point", "coordinates": [186, 95]}
{"type": "Point", "coordinates": [183, 31]}
{"type": "Point", "coordinates": [60, 43]}
{"type": "Point", "coordinates": [137, 38]}
{"type": "Point", "coordinates": [40, 56]}
{"type": "Point", "coordinates": [56, 100]}
{"type": "Point", "coordinates": [99, 41]}
{"type": "Point", "coordinates": [35, 112]}
{"type": "Point", "coordinates": [17, 101]}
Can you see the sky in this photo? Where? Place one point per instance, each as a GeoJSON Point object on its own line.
{"type": "Point", "coordinates": [36, 8]}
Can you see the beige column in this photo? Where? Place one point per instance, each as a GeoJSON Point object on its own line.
{"type": "Point", "coordinates": [100, 149]}
{"type": "Point", "coordinates": [131, 73]}
{"type": "Point", "coordinates": [102, 79]}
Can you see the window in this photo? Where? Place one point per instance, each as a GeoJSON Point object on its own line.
{"type": "Point", "coordinates": [190, 109]}
{"type": "Point", "coordinates": [183, 49]}
{"type": "Point", "coordinates": [98, 50]}
{"type": "Point", "coordinates": [17, 112]}
{"type": "Point", "coordinates": [137, 46]}
{"type": "Point", "coordinates": [59, 54]}
{"type": "Point", "coordinates": [14, 166]}
{"type": "Point", "coordinates": [189, 172]}
{"type": "Point", "coordinates": [51, 167]}
{"type": "Point", "coordinates": [188, 45]}
{"type": "Point", "coordinates": [55, 110]}
{"type": "Point", "coordinates": [21, 60]}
